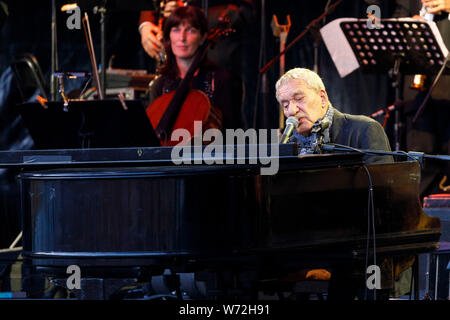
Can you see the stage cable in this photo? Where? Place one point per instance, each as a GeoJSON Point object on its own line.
{"type": "Point", "coordinates": [370, 223]}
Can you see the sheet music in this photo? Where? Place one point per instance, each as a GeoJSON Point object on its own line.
{"type": "Point", "coordinates": [339, 48]}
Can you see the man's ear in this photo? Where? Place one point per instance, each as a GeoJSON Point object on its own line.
{"type": "Point", "coordinates": [324, 98]}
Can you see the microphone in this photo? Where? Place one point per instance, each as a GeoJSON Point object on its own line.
{"type": "Point", "coordinates": [291, 124]}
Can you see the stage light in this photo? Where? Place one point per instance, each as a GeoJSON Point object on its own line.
{"type": "Point", "coordinates": [69, 6]}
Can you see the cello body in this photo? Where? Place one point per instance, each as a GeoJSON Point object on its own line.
{"type": "Point", "coordinates": [196, 107]}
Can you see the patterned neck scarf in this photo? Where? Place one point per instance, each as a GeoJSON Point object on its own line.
{"type": "Point", "coordinates": [305, 143]}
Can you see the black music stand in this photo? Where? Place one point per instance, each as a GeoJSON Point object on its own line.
{"type": "Point", "coordinates": [353, 44]}
{"type": "Point", "coordinates": [393, 46]}
{"type": "Point", "coordinates": [89, 124]}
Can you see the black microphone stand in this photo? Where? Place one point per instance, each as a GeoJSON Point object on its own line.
{"type": "Point", "coordinates": [422, 106]}
{"type": "Point", "coordinates": [317, 132]}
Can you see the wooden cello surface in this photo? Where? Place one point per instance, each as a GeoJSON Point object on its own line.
{"type": "Point", "coordinates": [196, 107]}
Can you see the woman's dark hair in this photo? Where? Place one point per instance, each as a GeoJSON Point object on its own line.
{"type": "Point", "coordinates": [192, 15]}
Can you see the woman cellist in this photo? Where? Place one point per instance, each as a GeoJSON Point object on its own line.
{"type": "Point", "coordinates": [184, 31]}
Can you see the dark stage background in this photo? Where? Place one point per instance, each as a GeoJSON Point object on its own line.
{"type": "Point", "coordinates": [27, 29]}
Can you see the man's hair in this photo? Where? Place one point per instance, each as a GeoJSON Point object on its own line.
{"type": "Point", "coordinates": [310, 77]}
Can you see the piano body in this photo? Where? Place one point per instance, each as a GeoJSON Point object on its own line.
{"type": "Point", "coordinates": [131, 214]}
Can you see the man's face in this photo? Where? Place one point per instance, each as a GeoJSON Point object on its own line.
{"type": "Point", "coordinates": [306, 104]}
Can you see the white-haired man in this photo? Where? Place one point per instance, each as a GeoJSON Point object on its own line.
{"type": "Point", "coordinates": [301, 93]}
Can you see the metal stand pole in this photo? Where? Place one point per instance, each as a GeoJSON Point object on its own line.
{"type": "Point", "coordinates": [398, 85]}
{"type": "Point", "coordinates": [102, 11]}
{"type": "Point", "coordinates": [54, 55]}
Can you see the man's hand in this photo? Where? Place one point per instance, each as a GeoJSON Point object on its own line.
{"type": "Point", "coordinates": [417, 17]}
{"type": "Point", "coordinates": [169, 7]}
{"type": "Point", "coordinates": [151, 34]}
{"type": "Point", "coordinates": [150, 39]}
{"type": "Point", "coordinates": [437, 6]}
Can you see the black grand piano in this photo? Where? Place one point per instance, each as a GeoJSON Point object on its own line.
{"type": "Point", "coordinates": [130, 215]}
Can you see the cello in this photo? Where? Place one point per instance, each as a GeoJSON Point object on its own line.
{"type": "Point", "coordinates": [180, 108]}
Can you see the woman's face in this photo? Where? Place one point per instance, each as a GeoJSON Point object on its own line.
{"type": "Point", "coordinates": [184, 40]}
